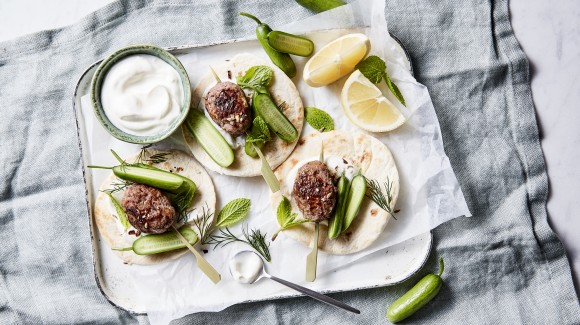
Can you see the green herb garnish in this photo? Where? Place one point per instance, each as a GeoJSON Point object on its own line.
{"type": "Point", "coordinates": [204, 224]}
{"type": "Point", "coordinates": [319, 119]}
{"type": "Point", "coordinates": [383, 200]}
{"type": "Point", "coordinates": [375, 69]}
{"type": "Point", "coordinates": [253, 238]}
{"type": "Point", "coordinates": [256, 77]}
{"type": "Point", "coordinates": [233, 212]}
{"type": "Point", "coordinates": [286, 218]}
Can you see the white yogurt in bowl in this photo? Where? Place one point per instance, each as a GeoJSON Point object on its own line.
{"type": "Point", "coordinates": [142, 95]}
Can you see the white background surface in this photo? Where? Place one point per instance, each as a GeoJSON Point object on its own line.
{"type": "Point", "coordinates": [548, 34]}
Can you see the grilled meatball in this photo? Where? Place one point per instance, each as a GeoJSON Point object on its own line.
{"type": "Point", "coordinates": [314, 191]}
{"type": "Point", "coordinates": [228, 107]}
{"type": "Point", "coordinates": [147, 209]}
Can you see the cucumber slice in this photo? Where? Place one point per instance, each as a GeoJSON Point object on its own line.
{"type": "Point", "coordinates": [336, 222]}
{"type": "Point", "coordinates": [356, 194]}
{"type": "Point", "coordinates": [289, 43]}
{"type": "Point", "coordinates": [157, 178]}
{"type": "Point", "coordinates": [276, 120]}
{"type": "Point", "coordinates": [154, 244]}
{"type": "Point", "coordinates": [209, 138]}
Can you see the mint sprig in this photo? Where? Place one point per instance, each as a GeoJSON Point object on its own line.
{"type": "Point", "coordinates": [286, 218]}
{"type": "Point", "coordinates": [375, 69]}
{"type": "Point", "coordinates": [233, 212]}
{"type": "Point", "coordinates": [257, 77]}
{"type": "Point", "coordinates": [319, 119]}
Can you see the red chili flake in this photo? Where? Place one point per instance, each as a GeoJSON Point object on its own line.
{"type": "Point", "coordinates": [131, 232]}
{"type": "Point", "coordinates": [205, 251]}
{"type": "Point", "coordinates": [397, 211]}
{"type": "Point", "coordinates": [229, 74]}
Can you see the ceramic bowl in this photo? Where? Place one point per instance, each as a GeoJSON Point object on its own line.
{"type": "Point", "coordinates": [99, 77]}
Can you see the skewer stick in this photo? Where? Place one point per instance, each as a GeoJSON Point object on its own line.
{"type": "Point", "coordinates": [203, 265]}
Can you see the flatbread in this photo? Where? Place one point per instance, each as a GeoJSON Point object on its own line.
{"type": "Point", "coordinates": [375, 162]}
{"type": "Point", "coordinates": [282, 90]}
{"type": "Point", "coordinates": [107, 220]}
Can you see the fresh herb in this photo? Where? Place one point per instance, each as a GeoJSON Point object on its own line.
{"type": "Point", "coordinates": [254, 238]}
{"type": "Point", "coordinates": [286, 218]}
{"type": "Point", "coordinates": [319, 119]}
{"type": "Point", "coordinates": [375, 69]}
{"type": "Point", "coordinates": [154, 159]}
{"type": "Point", "coordinates": [259, 133]}
{"type": "Point", "coordinates": [120, 212]}
{"type": "Point", "coordinates": [118, 185]}
{"type": "Point", "coordinates": [256, 77]}
{"type": "Point", "coordinates": [233, 212]}
{"type": "Point", "coordinates": [376, 194]}
{"type": "Point", "coordinates": [204, 224]}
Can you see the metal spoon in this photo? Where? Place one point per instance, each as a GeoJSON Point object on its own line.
{"type": "Point", "coordinates": [241, 257]}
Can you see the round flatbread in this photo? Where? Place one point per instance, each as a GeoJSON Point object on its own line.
{"type": "Point", "coordinates": [106, 216]}
{"type": "Point", "coordinates": [283, 93]}
{"type": "Point", "coordinates": [375, 162]}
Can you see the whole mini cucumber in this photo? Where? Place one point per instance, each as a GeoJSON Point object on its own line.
{"type": "Point", "coordinates": [155, 244]}
{"type": "Point", "coordinates": [335, 224]}
{"type": "Point", "coordinates": [417, 297]}
{"type": "Point", "coordinates": [320, 5]}
{"type": "Point", "coordinates": [281, 60]}
{"type": "Point", "coordinates": [289, 43]}
{"type": "Point", "coordinates": [356, 194]}
{"type": "Point", "coordinates": [157, 178]}
{"type": "Point", "coordinates": [276, 120]}
{"type": "Point", "coordinates": [209, 138]}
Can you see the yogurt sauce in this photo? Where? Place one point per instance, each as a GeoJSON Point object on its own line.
{"type": "Point", "coordinates": [246, 267]}
{"type": "Point", "coordinates": [142, 95]}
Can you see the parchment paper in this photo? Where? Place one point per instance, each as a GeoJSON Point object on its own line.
{"type": "Point", "coordinates": [429, 196]}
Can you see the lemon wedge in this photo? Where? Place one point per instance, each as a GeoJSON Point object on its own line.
{"type": "Point", "coordinates": [335, 60]}
{"type": "Point", "coordinates": [366, 107]}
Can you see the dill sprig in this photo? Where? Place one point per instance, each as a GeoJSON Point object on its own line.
{"type": "Point", "coordinates": [253, 238]}
{"type": "Point", "coordinates": [383, 200]}
{"type": "Point", "coordinates": [155, 159]}
{"type": "Point", "coordinates": [204, 225]}
{"type": "Point", "coordinates": [118, 185]}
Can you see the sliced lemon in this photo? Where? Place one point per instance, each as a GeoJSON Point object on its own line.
{"type": "Point", "coordinates": [335, 60]}
{"type": "Point", "coordinates": [366, 107]}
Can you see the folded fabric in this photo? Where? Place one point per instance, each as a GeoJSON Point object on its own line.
{"type": "Point", "coordinates": [503, 266]}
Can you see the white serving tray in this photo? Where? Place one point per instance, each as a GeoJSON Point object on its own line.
{"type": "Point", "coordinates": [382, 268]}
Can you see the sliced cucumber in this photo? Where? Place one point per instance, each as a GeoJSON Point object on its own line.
{"type": "Point", "coordinates": [154, 244]}
{"type": "Point", "coordinates": [336, 222]}
{"type": "Point", "coordinates": [157, 178]}
{"type": "Point", "coordinates": [276, 120]}
{"type": "Point", "coordinates": [289, 43]}
{"type": "Point", "coordinates": [209, 138]}
{"type": "Point", "coordinates": [356, 194]}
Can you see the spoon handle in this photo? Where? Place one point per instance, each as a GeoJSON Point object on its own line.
{"type": "Point", "coordinates": [316, 295]}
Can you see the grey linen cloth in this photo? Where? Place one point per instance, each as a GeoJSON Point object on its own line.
{"type": "Point", "coordinates": [503, 266]}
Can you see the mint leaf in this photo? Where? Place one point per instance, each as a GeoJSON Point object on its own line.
{"type": "Point", "coordinates": [373, 68]}
{"type": "Point", "coordinates": [233, 212]}
{"type": "Point", "coordinates": [286, 218]}
{"type": "Point", "coordinates": [394, 89]}
{"type": "Point", "coordinates": [258, 76]}
{"type": "Point", "coordinates": [259, 131]}
{"type": "Point", "coordinates": [319, 119]}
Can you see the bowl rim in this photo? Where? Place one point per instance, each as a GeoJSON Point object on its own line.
{"type": "Point", "coordinates": [99, 77]}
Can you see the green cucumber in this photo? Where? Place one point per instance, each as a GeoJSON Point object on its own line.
{"type": "Point", "coordinates": [335, 223]}
{"type": "Point", "coordinates": [289, 43]}
{"type": "Point", "coordinates": [356, 194]}
{"type": "Point", "coordinates": [320, 5]}
{"type": "Point", "coordinates": [276, 120]}
{"type": "Point", "coordinates": [417, 297]}
{"type": "Point", "coordinates": [159, 243]}
{"type": "Point", "coordinates": [157, 178]}
{"type": "Point", "coordinates": [281, 60]}
{"type": "Point", "coordinates": [209, 138]}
